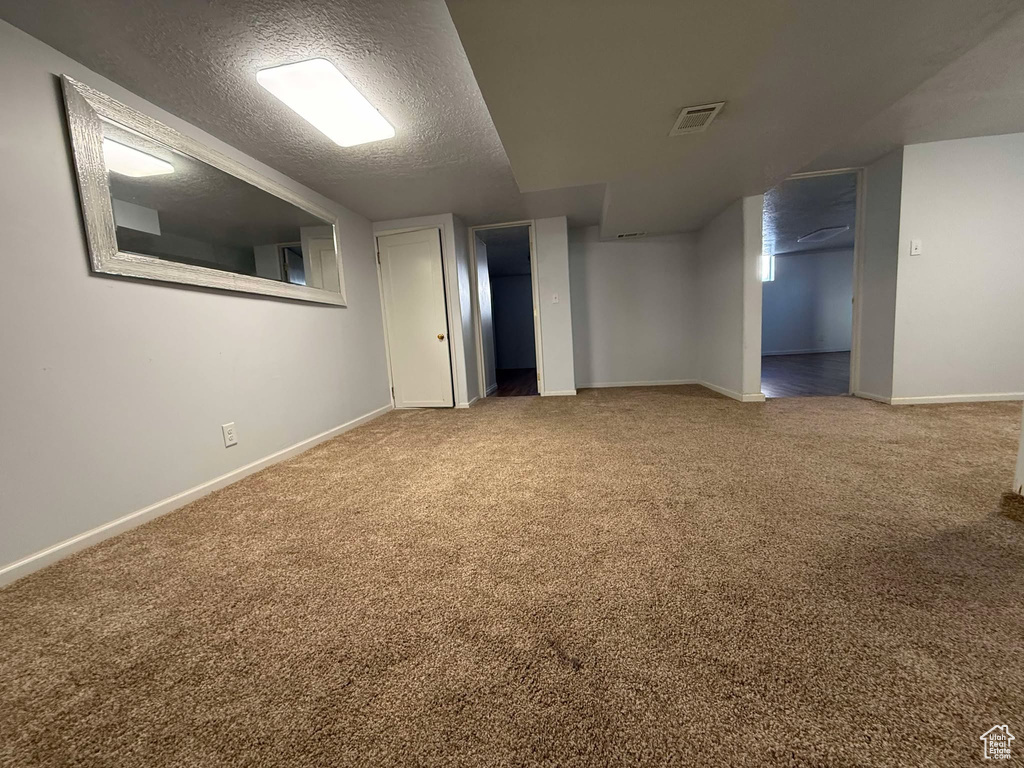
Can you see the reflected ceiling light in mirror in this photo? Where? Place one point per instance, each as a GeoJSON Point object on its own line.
{"type": "Point", "coordinates": [322, 96]}
{"type": "Point", "coordinates": [129, 161]}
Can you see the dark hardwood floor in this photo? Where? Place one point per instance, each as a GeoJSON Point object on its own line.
{"type": "Point", "coordinates": [516, 382]}
{"type": "Point", "coordinates": [826, 373]}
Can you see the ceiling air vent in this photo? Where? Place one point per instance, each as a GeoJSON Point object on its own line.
{"type": "Point", "coordinates": [624, 235]}
{"type": "Point", "coordinates": [695, 119]}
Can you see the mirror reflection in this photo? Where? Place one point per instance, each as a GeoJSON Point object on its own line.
{"type": "Point", "coordinates": [171, 206]}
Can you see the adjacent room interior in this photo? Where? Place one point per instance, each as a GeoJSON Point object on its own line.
{"type": "Point", "coordinates": [475, 383]}
{"type": "Point", "coordinates": [807, 272]}
{"type": "Point", "coordinates": [506, 289]}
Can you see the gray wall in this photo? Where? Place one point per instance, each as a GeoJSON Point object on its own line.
{"type": "Point", "coordinates": [189, 250]}
{"type": "Point", "coordinates": [876, 293]}
{"type": "Point", "coordinates": [551, 240]}
{"type": "Point", "coordinates": [483, 278]}
{"type": "Point", "coordinates": [753, 244]}
{"type": "Point", "coordinates": [720, 300]}
{"type": "Point", "coordinates": [467, 335]}
{"type": "Point", "coordinates": [959, 316]}
{"type": "Point", "coordinates": [634, 309]}
{"type": "Point", "coordinates": [1018, 477]}
{"type": "Point", "coordinates": [729, 300]}
{"type": "Point", "coordinates": [808, 307]}
{"type": "Point", "coordinates": [114, 390]}
{"type": "Point", "coordinates": [512, 304]}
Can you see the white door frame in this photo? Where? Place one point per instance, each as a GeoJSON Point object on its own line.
{"type": "Point", "coordinates": [858, 265]}
{"type": "Point", "coordinates": [475, 292]}
{"type": "Point", "coordinates": [447, 303]}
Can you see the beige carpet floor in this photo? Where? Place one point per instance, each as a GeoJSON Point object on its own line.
{"type": "Point", "coordinates": [629, 577]}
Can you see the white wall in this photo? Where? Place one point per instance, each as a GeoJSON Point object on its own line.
{"type": "Point", "coordinates": [114, 390]}
{"type": "Point", "coordinates": [729, 301]}
{"type": "Point", "coordinates": [959, 312]}
{"type": "Point", "coordinates": [808, 307]}
{"type": "Point", "coordinates": [512, 301]}
{"type": "Point", "coordinates": [551, 241]}
{"type": "Point", "coordinates": [876, 291]}
{"type": "Point", "coordinates": [486, 316]}
{"type": "Point", "coordinates": [634, 309]}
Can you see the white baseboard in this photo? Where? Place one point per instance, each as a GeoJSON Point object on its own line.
{"type": "Point", "coordinates": [803, 352]}
{"type": "Point", "coordinates": [871, 396]}
{"type": "Point", "coordinates": [986, 397]}
{"type": "Point", "coordinates": [491, 390]}
{"type": "Point", "coordinates": [466, 405]}
{"type": "Point", "coordinates": [559, 393]}
{"type": "Point", "coordinates": [665, 383]}
{"type": "Point", "coordinates": [937, 399]}
{"type": "Point", "coordinates": [754, 397]}
{"type": "Point", "coordinates": [41, 559]}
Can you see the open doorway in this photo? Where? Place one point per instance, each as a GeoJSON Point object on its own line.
{"type": "Point", "coordinates": [505, 290]}
{"type": "Point", "coordinates": [807, 274]}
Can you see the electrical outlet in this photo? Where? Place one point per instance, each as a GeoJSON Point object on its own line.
{"type": "Point", "coordinates": [230, 438]}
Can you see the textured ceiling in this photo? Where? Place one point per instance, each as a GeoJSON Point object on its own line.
{"type": "Point", "coordinates": [585, 93]}
{"type": "Point", "coordinates": [800, 206]}
{"type": "Point", "coordinates": [205, 203]}
{"type": "Point", "coordinates": [508, 250]}
{"type": "Point", "coordinates": [198, 60]}
{"type": "Point", "coordinates": [980, 94]}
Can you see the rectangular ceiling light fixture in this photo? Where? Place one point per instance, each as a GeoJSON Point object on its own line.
{"type": "Point", "coordinates": [821, 235]}
{"type": "Point", "coordinates": [129, 161]}
{"type": "Point", "coordinates": [322, 96]}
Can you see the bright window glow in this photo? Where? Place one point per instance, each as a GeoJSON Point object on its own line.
{"type": "Point", "coordinates": [321, 95]}
{"type": "Point", "coordinates": [129, 161]}
{"type": "Point", "coordinates": [767, 267]}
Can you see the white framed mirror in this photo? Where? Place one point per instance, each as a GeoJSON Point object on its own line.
{"type": "Point", "coordinates": [159, 205]}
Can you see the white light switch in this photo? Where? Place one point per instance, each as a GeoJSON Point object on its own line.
{"type": "Point", "coordinates": [230, 438]}
{"type": "Point", "coordinates": [915, 247]}
{"type": "Point", "coordinates": [554, 299]}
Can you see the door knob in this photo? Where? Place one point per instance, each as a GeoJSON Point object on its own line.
{"type": "Point", "coordinates": [440, 337]}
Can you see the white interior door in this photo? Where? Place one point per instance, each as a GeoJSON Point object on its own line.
{"type": "Point", "coordinates": [412, 278]}
{"type": "Point", "coordinates": [324, 263]}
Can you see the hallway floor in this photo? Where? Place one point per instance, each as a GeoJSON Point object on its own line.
{"type": "Point", "coordinates": [826, 373]}
{"type": "Point", "coordinates": [516, 382]}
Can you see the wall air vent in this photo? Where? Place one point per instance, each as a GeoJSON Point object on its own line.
{"type": "Point", "coordinates": [624, 235]}
{"type": "Point", "coordinates": [696, 119]}
{"type": "Point", "coordinates": [821, 235]}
